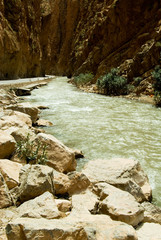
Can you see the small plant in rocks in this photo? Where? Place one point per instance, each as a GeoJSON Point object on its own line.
{"type": "Point", "coordinates": [31, 151]}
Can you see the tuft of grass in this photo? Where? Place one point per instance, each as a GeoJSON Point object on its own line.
{"type": "Point", "coordinates": [30, 151]}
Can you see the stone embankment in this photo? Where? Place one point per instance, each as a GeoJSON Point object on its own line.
{"type": "Point", "coordinates": [109, 199]}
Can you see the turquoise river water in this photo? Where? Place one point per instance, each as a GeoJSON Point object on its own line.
{"type": "Point", "coordinates": [103, 127]}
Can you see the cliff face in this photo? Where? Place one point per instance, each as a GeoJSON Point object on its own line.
{"type": "Point", "coordinates": [20, 28]}
{"type": "Point", "coordinates": [67, 37]}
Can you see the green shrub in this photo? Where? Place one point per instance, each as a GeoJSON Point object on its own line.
{"type": "Point", "coordinates": [30, 151]}
{"type": "Point", "coordinates": [137, 81]}
{"type": "Point", "coordinates": [112, 83]}
{"type": "Point", "coordinates": [157, 85]}
{"type": "Point", "coordinates": [130, 88]}
{"type": "Point", "coordinates": [83, 78]}
{"type": "Point", "coordinates": [157, 76]}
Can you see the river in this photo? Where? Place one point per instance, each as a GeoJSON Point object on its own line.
{"type": "Point", "coordinates": [103, 127]}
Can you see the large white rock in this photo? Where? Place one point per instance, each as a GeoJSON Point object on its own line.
{"type": "Point", "coordinates": [14, 119]}
{"type": "Point", "coordinates": [71, 183]}
{"type": "Point", "coordinates": [5, 199]}
{"type": "Point", "coordinates": [125, 174]}
{"type": "Point", "coordinates": [59, 156]}
{"type": "Point", "coordinates": [7, 98]}
{"type": "Point", "coordinates": [10, 171]}
{"type": "Point", "coordinates": [83, 203]}
{"type": "Point", "coordinates": [43, 206]}
{"type": "Point", "coordinates": [26, 108]}
{"type": "Point", "coordinates": [120, 205]}
{"type": "Point", "coordinates": [21, 134]}
{"type": "Point", "coordinates": [99, 227]}
{"type": "Point", "coordinates": [7, 145]}
{"type": "Point", "coordinates": [34, 181]}
{"type": "Point", "coordinates": [152, 213]}
{"type": "Point", "coordinates": [149, 231]}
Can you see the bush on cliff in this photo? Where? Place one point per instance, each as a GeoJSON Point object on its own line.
{"type": "Point", "coordinates": [112, 83]}
{"type": "Point", "coordinates": [157, 85]}
{"type": "Point", "coordinates": [83, 78]}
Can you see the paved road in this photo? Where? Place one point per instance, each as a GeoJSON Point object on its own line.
{"type": "Point", "coordinates": [24, 81]}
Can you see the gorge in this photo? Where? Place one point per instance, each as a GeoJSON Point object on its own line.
{"type": "Point", "coordinates": [47, 189]}
{"type": "Point", "coordinates": [70, 37]}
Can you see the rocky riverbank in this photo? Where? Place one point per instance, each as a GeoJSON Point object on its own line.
{"type": "Point", "coordinates": [109, 199]}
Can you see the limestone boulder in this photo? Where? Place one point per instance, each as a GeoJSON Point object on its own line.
{"type": "Point", "coordinates": [83, 203]}
{"type": "Point", "coordinates": [78, 182]}
{"type": "Point", "coordinates": [99, 227]}
{"type": "Point", "coordinates": [22, 91]}
{"type": "Point", "coordinates": [14, 119]}
{"type": "Point", "coordinates": [59, 156]}
{"type": "Point", "coordinates": [7, 145]}
{"type": "Point", "coordinates": [5, 198]}
{"type": "Point", "coordinates": [152, 213]}
{"type": "Point", "coordinates": [10, 171]}
{"type": "Point", "coordinates": [43, 206]}
{"type": "Point", "coordinates": [71, 183]}
{"type": "Point", "coordinates": [21, 134]}
{"type": "Point", "coordinates": [125, 174]}
{"type": "Point", "coordinates": [26, 108]}
{"type": "Point", "coordinates": [7, 98]}
{"type": "Point", "coordinates": [61, 183]}
{"type": "Point", "coordinates": [78, 153]}
{"type": "Point", "coordinates": [34, 181]}
{"type": "Point", "coordinates": [7, 214]}
{"type": "Point", "coordinates": [118, 204]}
{"type": "Point", "coordinates": [28, 228]}
{"type": "Point", "coordinates": [63, 205]}
{"type": "Point", "coordinates": [43, 123]}
{"type": "Point", "coordinates": [149, 231]}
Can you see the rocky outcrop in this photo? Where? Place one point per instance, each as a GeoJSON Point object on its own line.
{"type": "Point", "coordinates": [5, 198]}
{"type": "Point", "coordinates": [11, 118]}
{"type": "Point", "coordinates": [59, 156]}
{"type": "Point", "coordinates": [43, 206]}
{"type": "Point", "coordinates": [7, 145]}
{"type": "Point", "coordinates": [94, 227]}
{"type": "Point", "coordinates": [20, 49]}
{"type": "Point", "coordinates": [71, 183]}
{"type": "Point", "coordinates": [149, 231]}
{"type": "Point", "coordinates": [152, 213]}
{"type": "Point", "coordinates": [34, 181]}
{"type": "Point", "coordinates": [125, 174]}
{"type": "Point", "coordinates": [10, 172]}
{"type": "Point", "coordinates": [27, 109]}
{"type": "Point", "coordinates": [120, 205]}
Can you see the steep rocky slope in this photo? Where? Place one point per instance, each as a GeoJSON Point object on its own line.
{"type": "Point", "coordinates": [67, 37]}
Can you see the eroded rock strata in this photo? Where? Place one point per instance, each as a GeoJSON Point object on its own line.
{"type": "Point", "coordinates": [69, 37]}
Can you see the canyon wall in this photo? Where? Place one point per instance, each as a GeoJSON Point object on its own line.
{"type": "Point", "coordinates": [67, 37]}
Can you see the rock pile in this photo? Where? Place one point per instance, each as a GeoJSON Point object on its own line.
{"type": "Point", "coordinates": [109, 199]}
